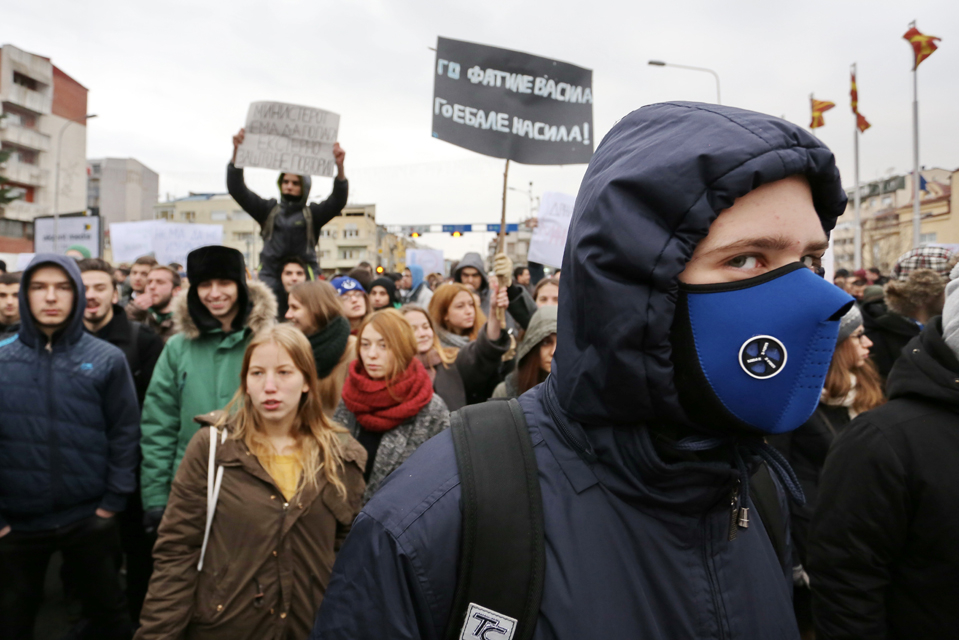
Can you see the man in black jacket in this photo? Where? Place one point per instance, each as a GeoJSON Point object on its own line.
{"type": "Point", "coordinates": [285, 228]}
{"type": "Point", "coordinates": [9, 303]}
{"type": "Point", "coordinates": [105, 319]}
{"type": "Point", "coordinates": [883, 558]}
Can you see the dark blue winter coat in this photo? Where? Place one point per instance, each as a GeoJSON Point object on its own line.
{"type": "Point", "coordinates": [637, 546]}
{"type": "Point", "coordinates": [69, 420]}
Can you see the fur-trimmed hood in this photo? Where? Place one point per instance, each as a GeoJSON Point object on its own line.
{"type": "Point", "coordinates": [262, 313]}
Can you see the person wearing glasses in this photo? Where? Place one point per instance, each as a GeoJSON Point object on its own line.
{"type": "Point", "coordinates": [355, 301]}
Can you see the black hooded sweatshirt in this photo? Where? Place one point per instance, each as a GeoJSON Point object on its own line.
{"type": "Point", "coordinates": [289, 228]}
{"type": "Point", "coordinates": [883, 558]}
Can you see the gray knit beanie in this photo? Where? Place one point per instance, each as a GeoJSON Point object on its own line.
{"type": "Point", "coordinates": [849, 323]}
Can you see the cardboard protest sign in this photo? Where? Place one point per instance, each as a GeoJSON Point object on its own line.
{"type": "Point", "coordinates": [549, 237]}
{"type": "Point", "coordinates": [72, 229]}
{"type": "Point", "coordinates": [289, 137]}
{"type": "Point", "coordinates": [508, 104]}
{"type": "Point", "coordinates": [430, 259]}
{"type": "Point", "coordinates": [166, 241]}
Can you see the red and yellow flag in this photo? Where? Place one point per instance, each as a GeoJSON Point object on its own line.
{"type": "Point", "coordinates": [922, 45]}
{"type": "Point", "coordinates": [861, 121]}
{"type": "Point", "coordinates": [818, 108]}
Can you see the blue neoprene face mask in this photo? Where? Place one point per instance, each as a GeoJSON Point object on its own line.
{"type": "Point", "coordinates": [754, 354]}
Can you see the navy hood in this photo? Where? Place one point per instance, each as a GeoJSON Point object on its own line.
{"type": "Point", "coordinates": [655, 184]}
{"type": "Point", "coordinates": [473, 259]}
{"type": "Point", "coordinates": [29, 334]}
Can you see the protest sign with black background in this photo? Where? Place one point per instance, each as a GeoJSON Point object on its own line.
{"type": "Point", "coordinates": [508, 104]}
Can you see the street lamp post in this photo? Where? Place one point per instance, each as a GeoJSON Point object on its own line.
{"type": "Point", "coordinates": [56, 189]}
{"type": "Point", "coordinates": [660, 63]}
{"type": "Point", "coordinates": [529, 193]}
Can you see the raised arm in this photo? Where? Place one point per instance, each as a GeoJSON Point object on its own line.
{"type": "Point", "coordinates": [325, 211]}
{"type": "Point", "coordinates": [253, 204]}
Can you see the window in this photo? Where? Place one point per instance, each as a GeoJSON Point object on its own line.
{"type": "Point", "coordinates": [327, 233]}
{"type": "Point", "coordinates": [887, 201]}
{"type": "Point", "coordinates": [927, 238]}
{"type": "Point", "coordinates": [239, 214]}
{"type": "Point", "coordinates": [164, 215]}
{"type": "Point", "coordinates": [14, 119]}
{"type": "Point", "coordinates": [25, 81]}
{"type": "Point", "coordinates": [188, 216]}
{"type": "Point", "coordinates": [324, 254]}
{"type": "Point", "coordinates": [350, 231]}
{"type": "Point", "coordinates": [219, 215]}
{"type": "Point", "coordinates": [349, 254]}
{"type": "Point", "coordinates": [242, 236]}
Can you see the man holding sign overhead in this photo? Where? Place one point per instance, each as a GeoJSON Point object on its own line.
{"type": "Point", "coordinates": [299, 141]}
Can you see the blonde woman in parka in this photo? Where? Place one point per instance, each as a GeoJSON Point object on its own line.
{"type": "Point", "coordinates": [290, 488]}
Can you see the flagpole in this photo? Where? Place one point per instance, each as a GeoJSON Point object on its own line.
{"type": "Point", "coordinates": [812, 129]}
{"type": "Point", "coordinates": [916, 222]}
{"type": "Point", "coordinates": [857, 255]}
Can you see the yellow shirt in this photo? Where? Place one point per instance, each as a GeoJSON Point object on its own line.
{"type": "Point", "coordinates": [285, 470]}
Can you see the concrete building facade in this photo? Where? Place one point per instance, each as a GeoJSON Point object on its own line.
{"type": "Point", "coordinates": [45, 119]}
{"type": "Point", "coordinates": [886, 213]}
{"type": "Point", "coordinates": [121, 189]}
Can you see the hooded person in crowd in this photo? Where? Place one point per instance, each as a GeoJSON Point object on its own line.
{"type": "Point", "coordinates": [199, 368]}
{"type": "Point", "coordinates": [461, 375]}
{"type": "Point", "coordinates": [388, 401]}
{"type": "Point", "coordinates": [471, 272]}
{"type": "Point", "coordinates": [289, 226]}
{"type": "Point", "coordinates": [914, 295]}
{"type": "Point", "coordinates": [690, 326]}
{"type": "Point", "coordinates": [534, 355]}
{"type": "Point", "coordinates": [156, 312]}
{"type": "Point", "coordinates": [883, 557]}
{"type": "Point", "coordinates": [316, 311]}
{"type": "Point", "coordinates": [9, 304]}
{"type": "Point", "coordinates": [355, 300]}
{"type": "Point", "coordinates": [873, 306]}
{"type": "Point", "coordinates": [288, 487]}
{"type": "Point", "coordinates": [69, 428]}
{"type": "Point", "coordinates": [104, 318]}
{"type": "Point", "coordinates": [383, 294]}
{"type": "Point", "coordinates": [852, 387]}
{"type": "Point", "coordinates": [419, 292]}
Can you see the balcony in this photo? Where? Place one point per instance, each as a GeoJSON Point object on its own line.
{"type": "Point", "coordinates": [28, 138]}
{"type": "Point", "coordinates": [35, 101]}
{"type": "Point", "coordinates": [28, 174]}
{"type": "Point", "coordinates": [22, 210]}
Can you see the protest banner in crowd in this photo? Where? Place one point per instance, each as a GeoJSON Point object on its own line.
{"type": "Point", "coordinates": [430, 259]}
{"type": "Point", "coordinates": [513, 105]}
{"type": "Point", "coordinates": [290, 138]}
{"type": "Point", "coordinates": [73, 230]}
{"type": "Point", "coordinates": [166, 241]}
{"type": "Point", "coordinates": [552, 224]}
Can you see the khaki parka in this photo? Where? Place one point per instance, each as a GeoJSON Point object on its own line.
{"type": "Point", "coordinates": [268, 561]}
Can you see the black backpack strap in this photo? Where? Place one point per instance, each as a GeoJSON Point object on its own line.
{"type": "Point", "coordinates": [502, 556]}
{"type": "Point", "coordinates": [766, 498]}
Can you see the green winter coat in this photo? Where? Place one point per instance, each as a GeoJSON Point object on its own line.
{"type": "Point", "coordinates": [197, 373]}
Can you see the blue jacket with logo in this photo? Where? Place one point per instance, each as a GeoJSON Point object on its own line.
{"type": "Point", "coordinates": [639, 544]}
{"type": "Point", "coordinates": [69, 420]}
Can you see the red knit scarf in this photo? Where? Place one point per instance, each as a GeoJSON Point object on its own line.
{"type": "Point", "coordinates": [375, 408]}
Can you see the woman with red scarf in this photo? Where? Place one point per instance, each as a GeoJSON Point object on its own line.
{"type": "Point", "coordinates": [388, 402]}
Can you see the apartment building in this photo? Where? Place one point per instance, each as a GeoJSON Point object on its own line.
{"type": "Point", "coordinates": [886, 213]}
{"type": "Point", "coordinates": [44, 128]}
{"type": "Point", "coordinates": [121, 189]}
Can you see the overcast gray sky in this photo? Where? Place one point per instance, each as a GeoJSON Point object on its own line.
{"type": "Point", "coordinates": [171, 81]}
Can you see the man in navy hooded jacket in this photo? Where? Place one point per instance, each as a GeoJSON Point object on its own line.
{"type": "Point", "coordinates": [69, 434]}
{"type": "Point", "coordinates": [689, 327]}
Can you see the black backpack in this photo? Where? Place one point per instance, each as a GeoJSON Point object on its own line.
{"type": "Point", "coordinates": [503, 554]}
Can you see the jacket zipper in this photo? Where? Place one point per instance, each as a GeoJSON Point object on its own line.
{"type": "Point", "coordinates": [734, 517]}
{"type": "Point", "coordinates": [710, 572]}
{"type": "Point", "coordinates": [55, 463]}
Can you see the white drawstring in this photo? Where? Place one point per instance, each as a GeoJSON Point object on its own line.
{"type": "Point", "coordinates": [212, 491]}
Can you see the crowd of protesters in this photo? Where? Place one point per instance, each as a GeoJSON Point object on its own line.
{"type": "Point", "coordinates": [199, 442]}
